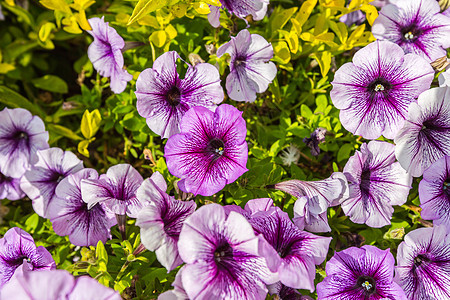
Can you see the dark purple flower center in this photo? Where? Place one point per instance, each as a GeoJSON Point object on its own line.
{"type": "Point", "coordinates": [217, 147]}
{"type": "Point", "coordinates": [223, 253]}
{"type": "Point", "coordinates": [420, 259]}
{"type": "Point", "coordinates": [367, 283]}
{"type": "Point", "coordinates": [240, 60]}
{"type": "Point", "coordinates": [446, 187]}
{"type": "Point", "coordinates": [173, 96]}
{"type": "Point", "coordinates": [379, 85]}
{"type": "Point", "coordinates": [411, 33]}
{"type": "Point", "coordinates": [4, 178]}
{"type": "Point", "coordinates": [21, 136]}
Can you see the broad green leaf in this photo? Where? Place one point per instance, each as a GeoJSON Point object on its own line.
{"type": "Point", "coordinates": [305, 11]}
{"type": "Point", "coordinates": [21, 13]}
{"type": "Point", "coordinates": [51, 83]}
{"type": "Point", "coordinates": [324, 60]}
{"type": "Point", "coordinates": [63, 131]}
{"type": "Point", "coordinates": [12, 99]}
{"type": "Point", "coordinates": [280, 17]}
{"type": "Point", "coordinates": [344, 152]}
{"type": "Point", "coordinates": [144, 7]}
{"type": "Point", "coordinates": [90, 123]}
{"type": "Point", "coordinates": [5, 68]}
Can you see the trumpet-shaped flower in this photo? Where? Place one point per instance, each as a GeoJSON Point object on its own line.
{"type": "Point", "coordinates": [416, 26]}
{"type": "Point", "coordinates": [376, 182]}
{"type": "Point", "coordinates": [423, 264]}
{"type": "Point", "coordinates": [239, 8]}
{"type": "Point", "coordinates": [57, 285]}
{"type": "Point", "coordinates": [434, 192]}
{"type": "Point", "coordinates": [70, 214]}
{"type": "Point", "coordinates": [10, 188]}
{"type": "Point", "coordinates": [210, 151]}
{"type": "Point", "coordinates": [161, 220]}
{"type": "Point", "coordinates": [360, 274]}
{"type": "Point", "coordinates": [105, 53]}
{"type": "Point", "coordinates": [21, 135]}
{"type": "Point", "coordinates": [116, 189]}
{"type": "Point", "coordinates": [222, 257]}
{"type": "Point", "coordinates": [250, 69]}
{"type": "Point", "coordinates": [40, 182]}
{"type": "Point", "coordinates": [18, 253]}
{"type": "Point", "coordinates": [163, 98]}
{"type": "Point", "coordinates": [425, 136]}
{"type": "Point", "coordinates": [314, 198]}
{"type": "Point", "coordinates": [374, 91]}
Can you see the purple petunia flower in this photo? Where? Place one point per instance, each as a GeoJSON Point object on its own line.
{"type": "Point", "coordinates": [250, 69]}
{"type": "Point", "coordinates": [39, 183]}
{"type": "Point", "coordinates": [10, 188]}
{"type": "Point", "coordinates": [314, 198]}
{"type": "Point", "coordinates": [423, 264]}
{"type": "Point", "coordinates": [178, 293]}
{"type": "Point", "coordinates": [161, 220]}
{"type": "Point", "coordinates": [376, 182]}
{"type": "Point", "coordinates": [70, 215]}
{"type": "Point", "coordinates": [434, 192]}
{"type": "Point", "coordinates": [210, 151]}
{"type": "Point", "coordinates": [106, 55]}
{"type": "Point", "coordinates": [374, 92]}
{"type": "Point", "coordinates": [416, 26]}
{"type": "Point", "coordinates": [240, 8]}
{"type": "Point", "coordinates": [116, 189]}
{"type": "Point", "coordinates": [56, 285]}
{"type": "Point", "coordinates": [163, 98]}
{"type": "Point", "coordinates": [286, 293]}
{"type": "Point", "coordinates": [21, 135]}
{"type": "Point", "coordinates": [222, 258]}
{"type": "Point", "coordinates": [289, 251]}
{"type": "Point", "coordinates": [425, 136]}
{"type": "Point", "coordinates": [360, 274]}
{"type": "Point", "coordinates": [17, 248]}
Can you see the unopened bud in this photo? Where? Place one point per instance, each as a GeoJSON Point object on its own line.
{"type": "Point", "coordinates": [440, 64]}
{"type": "Point", "coordinates": [195, 59]}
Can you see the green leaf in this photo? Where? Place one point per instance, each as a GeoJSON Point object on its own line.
{"type": "Point", "coordinates": [305, 111]}
{"type": "Point", "coordinates": [63, 131]}
{"type": "Point", "coordinates": [51, 83]}
{"type": "Point", "coordinates": [12, 99]}
{"type": "Point", "coordinates": [90, 123]}
{"type": "Point", "coordinates": [144, 7]}
{"type": "Point", "coordinates": [344, 152]}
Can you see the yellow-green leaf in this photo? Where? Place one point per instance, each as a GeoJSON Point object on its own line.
{"type": "Point", "coordinates": [371, 13]}
{"type": "Point", "coordinates": [5, 68]}
{"type": "Point", "coordinates": [282, 53]}
{"type": "Point", "coordinates": [341, 31]}
{"type": "Point", "coordinates": [90, 123]}
{"type": "Point", "coordinates": [158, 38]}
{"type": "Point", "coordinates": [324, 60]}
{"type": "Point", "coordinates": [45, 30]}
{"type": "Point", "coordinates": [60, 5]}
{"type": "Point", "coordinates": [144, 7]}
{"type": "Point", "coordinates": [83, 147]}
{"type": "Point", "coordinates": [305, 11]}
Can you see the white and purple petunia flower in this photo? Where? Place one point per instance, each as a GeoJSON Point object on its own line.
{"type": "Point", "coordinates": [374, 91]}
{"type": "Point", "coordinates": [222, 257]}
{"type": "Point", "coordinates": [163, 98]}
{"type": "Point", "coordinates": [286, 293]}
{"type": "Point", "coordinates": [19, 254]}
{"type": "Point", "coordinates": [178, 293]}
{"type": "Point", "coordinates": [21, 135]}
{"type": "Point", "coordinates": [71, 216]}
{"type": "Point", "coordinates": [40, 181]}
{"type": "Point", "coordinates": [10, 188]}
{"type": "Point", "coordinates": [434, 192]}
{"type": "Point", "coordinates": [56, 285]}
{"type": "Point", "coordinates": [289, 251]}
{"type": "Point", "coordinates": [376, 182]}
{"type": "Point", "coordinates": [360, 274]}
{"type": "Point", "coordinates": [314, 198]}
{"type": "Point", "coordinates": [210, 151]}
{"type": "Point", "coordinates": [251, 71]}
{"type": "Point", "coordinates": [423, 264]}
{"type": "Point", "coordinates": [425, 136]}
{"type": "Point", "coordinates": [416, 26]}
{"type": "Point", "coordinates": [161, 220]}
{"type": "Point", "coordinates": [105, 53]}
{"type": "Point", "coordinates": [239, 8]}
{"type": "Point", "coordinates": [116, 189]}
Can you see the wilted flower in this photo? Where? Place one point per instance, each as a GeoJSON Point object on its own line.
{"type": "Point", "coordinates": [250, 69]}
{"type": "Point", "coordinates": [116, 189]}
{"type": "Point", "coordinates": [360, 274]}
{"type": "Point", "coordinates": [106, 55]}
{"type": "Point", "coordinates": [434, 192]}
{"type": "Point", "coordinates": [161, 220]}
{"type": "Point", "coordinates": [222, 258]}
{"type": "Point", "coordinates": [289, 251]}
{"type": "Point", "coordinates": [416, 26]}
{"type": "Point", "coordinates": [314, 198]}
{"type": "Point", "coordinates": [10, 188]}
{"type": "Point", "coordinates": [56, 284]}
{"type": "Point", "coordinates": [423, 264]}
{"type": "Point", "coordinates": [240, 8]}
{"type": "Point", "coordinates": [70, 214]}
{"type": "Point", "coordinates": [425, 136]}
{"type": "Point", "coordinates": [39, 183]}
{"type": "Point", "coordinates": [374, 91]}
{"type": "Point", "coordinates": [290, 155]}
{"type": "Point", "coordinates": [163, 98]}
{"type": "Point", "coordinates": [210, 151]}
{"type": "Point", "coordinates": [21, 135]}
{"type": "Point", "coordinates": [16, 248]}
{"type": "Point", "coordinates": [376, 182]}
{"type": "Point", "coordinates": [317, 137]}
